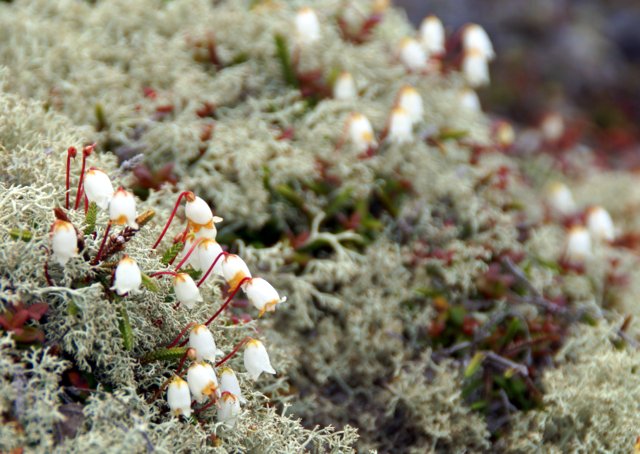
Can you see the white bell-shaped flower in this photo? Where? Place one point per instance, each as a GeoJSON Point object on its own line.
{"type": "Point", "coordinates": [400, 126]}
{"type": "Point", "coordinates": [468, 100]}
{"type": "Point", "coordinates": [560, 199]}
{"type": "Point", "coordinates": [552, 127]}
{"type": "Point", "coordinates": [201, 340]}
{"type": "Point", "coordinates": [410, 100]}
{"type": "Point", "coordinates": [128, 277]}
{"type": "Point", "coordinates": [234, 270]}
{"type": "Point", "coordinates": [209, 231]}
{"type": "Point", "coordinates": [307, 26]}
{"type": "Point", "coordinates": [412, 55]}
{"type": "Point", "coordinates": [229, 383]}
{"type": "Point", "coordinates": [187, 291]}
{"type": "Point", "coordinates": [262, 295]}
{"type": "Point", "coordinates": [228, 409]}
{"type": "Point", "coordinates": [344, 87]}
{"type": "Point", "coordinates": [122, 209]}
{"type": "Point", "coordinates": [202, 381]}
{"type": "Point", "coordinates": [475, 37]}
{"type": "Point", "coordinates": [208, 251]}
{"type": "Point", "coordinates": [64, 241]}
{"type": "Point", "coordinates": [198, 212]}
{"type": "Point", "coordinates": [578, 245]}
{"type": "Point", "coordinates": [432, 35]}
{"type": "Point", "coordinates": [475, 68]}
{"type": "Point", "coordinates": [360, 132]}
{"type": "Point", "coordinates": [600, 224]}
{"type": "Point", "coordinates": [179, 397]}
{"type": "Point", "coordinates": [98, 187]}
{"type": "Point", "coordinates": [256, 359]}
{"type": "Point", "coordinates": [194, 258]}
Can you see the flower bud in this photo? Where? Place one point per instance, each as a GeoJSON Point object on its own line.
{"type": "Point", "coordinates": [410, 100]}
{"type": "Point", "coordinates": [600, 224]}
{"type": "Point", "coordinates": [208, 251]}
{"type": "Point", "coordinates": [360, 132]}
{"type": "Point", "coordinates": [578, 245]}
{"type": "Point", "coordinates": [179, 397]}
{"type": "Point", "coordinates": [412, 55]}
{"type": "Point", "coordinates": [400, 127]}
{"type": "Point", "coordinates": [198, 212]}
{"type": "Point", "coordinates": [468, 100]}
{"type": "Point", "coordinates": [128, 277]}
{"type": "Point", "coordinates": [256, 359]}
{"type": "Point", "coordinates": [187, 291]}
{"type": "Point", "coordinates": [344, 87]}
{"type": "Point", "coordinates": [475, 37]}
{"type": "Point", "coordinates": [202, 381]}
{"type": "Point", "coordinates": [307, 26]}
{"type": "Point", "coordinates": [234, 270]}
{"type": "Point", "coordinates": [475, 68]}
{"type": "Point", "coordinates": [228, 409]}
{"type": "Point", "coordinates": [98, 187]}
{"type": "Point", "coordinates": [432, 35]}
{"type": "Point", "coordinates": [229, 383]}
{"type": "Point", "coordinates": [64, 241]}
{"type": "Point", "coordinates": [262, 295]}
{"type": "Point", "coordinates": [560, 200]}
{"type": "Point", "coordinates": [122, 209]}
{"type": "Point", "coordinates": [201, 340]}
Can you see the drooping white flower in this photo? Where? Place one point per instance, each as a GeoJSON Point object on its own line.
{"type": "Point", "coordinates": [344, 87]}
{"type": "Point", "coordinates": [179, 397]}
{"type": "Point", "coordinates": [475, 37]}
{"type": "Point", "coordinates": [560, 199]}
{"type": "Point", "coordinates": [201, 340]}
{"type": "Point", "coordinates": [187, 291]}
{"type": "Point", "coordinates": [228, 409]}
{"type": "Point", "coordinates": [122, 209]}
{"type": "Point", "coordinates": [412, 55]}
{"type": "Point", "coordinates": [400, 126]}
{"type": "Point", "coordinates": [410, 100]}
{"type": "Point", "coordinates": [475, 68]}
{"type": "Point", "coordinates": [234, 270]}
{"type": "Point", "coordinates": [198, 212]}
{"type": "Point", "coordinates": [208, 251]}
{"type": "Point", "coordinates": [552, 127]}
{"type": "Point", "coordinates": [600, 224]}
{"type": "Point", "coordinates": [432, 35]}
{"type": "Point", "coordinates": [98, 187]}
{"type": "Point", "coordinates": [307, 26]}
{"type": "Point", "coordinates": [229, 383]}
{"type": "Point", "coordinates": [202, 381]}
{"type": "Point", "coordinates": [208, 231]}
{"type": "Point", "coordinates": [256, 359]}
{"type": "Point", "coordinates": [64, 241]}
{"type": "Point", "coordinates": [578, 245]}
{"type": "Point", "coordinates": [128, 277]}
{"type": "Point", "coordinates": [360, 132]}
{"type": "Point", "coordinates": [468, 100]}
{"type": "Point", "coordinates": [262, 295]}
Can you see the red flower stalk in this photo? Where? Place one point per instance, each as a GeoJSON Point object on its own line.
{"type": "Point", "coordinates": [86, 151]}
{"type": "Point", "coordinates": [233, 352]}
{"type": "Point", "coordinates": [188, 195]}
{"type": "Point", "coordinates": [71, 154]}
{"type": "Point", "coordinates": [206, 275]}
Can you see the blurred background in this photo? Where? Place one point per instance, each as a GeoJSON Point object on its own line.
{"type": "Point", "coordinates": [579, 58]}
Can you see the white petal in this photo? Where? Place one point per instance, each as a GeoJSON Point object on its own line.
{"type": "Point", "coordinates": [256, 359]}
{"type": "Point", "coordinates": [122, 209]}
{"type": "Point", "coordinates": [64, 241]}
{"type": "Point", "coordinates": [201, 340]}
{"type": "Point", "coordinates": [179, 397]}
{"type": "Point", "coordinates": [229, 383]}
{"type": "Point", "coordinates": [412, 56]}
{"type": "Point", "coordinates": [344, 87]}
{"type": "Point", "coordinates": [198, 212]}
{"type": "Point", "coordinates": [98, 187]}
{"type": "Point", "coordinates": [187, 291]}
{"type": "Point", "coordinates": [202, 381]}
{"type": "Point", "coordinates": [432, 35]}
{"type": "Point", "coordinates": [234, 270]}
{"type": "Point", "coordinates": [228, 409]}
{"type": "Point", "coordinates": [128, 277]}
{"type": "Point", "coordinates": [307, 26]}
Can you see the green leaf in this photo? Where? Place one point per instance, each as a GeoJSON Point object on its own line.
{"type": "Point", "coordinates": [164, 354]}
{"type": "Point", "coordinates": [342, 200]}
{"type": "Point", "coordinates": [171, 253]}
{"type": "Point", "coordinates": [125, 329]}
{"type": "Point", "coordinates": [101, 119]}
{"type": "Point", "coordinates": [474, 365]}
{"type": "Point", "coordinates": [19, 234]}
{"type": "Point", "coordinates": [282, 51]}
{"type": "Point", "coordinates": [452, 134]}
{"type": "Point", "coordinates": [150, 284]}
{"type": "Point", "coordinates": [90, 218]}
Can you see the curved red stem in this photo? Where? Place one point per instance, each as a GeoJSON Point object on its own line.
{"type": "Point", "coordinates": [85, 152]}
{"type": "Point", "coordinates": [104, 240]}
{"type": "Point", "coordinates": [162, 273]}
{"type": "Point", "coordinates": [173, 213]}
{"type": "Point", "coordinates": [71, 154]}
{"type": "Point", "coordinates": [175, 341]}
{"type": "Point", "coordinates": [188, 254]}
{"type": "Point", "coordinates": [233, 352]}
{"type": "Point", "coordinates": [206, 275]}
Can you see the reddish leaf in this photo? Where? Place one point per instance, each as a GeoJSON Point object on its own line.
{"type": "Point", "coordinates": [37, 310]}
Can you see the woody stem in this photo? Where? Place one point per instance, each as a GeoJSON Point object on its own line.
{"type": "Point", "coordinates": [173, 213]}
{"type": "Point", "coordinates": [233, 352]}
{"type": "Point", "coordinates": [206, 275]}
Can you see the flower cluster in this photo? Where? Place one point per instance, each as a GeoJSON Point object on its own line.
{"type": "Point", "coordinates": [202, 253]}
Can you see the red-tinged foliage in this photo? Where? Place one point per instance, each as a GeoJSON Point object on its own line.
{"type": "Point", "coordinates": [208, 110]}
{"type": "Point", "coordinates": [286, 134]}
{"type": "Point", "coordinates": [149, 93]}
{"type": "Point", "coordinates": [148, 179]}
{"type": "Point", "coordinates": [362, 34]}
{"type": "Point", "coordinates": [15, 318]}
